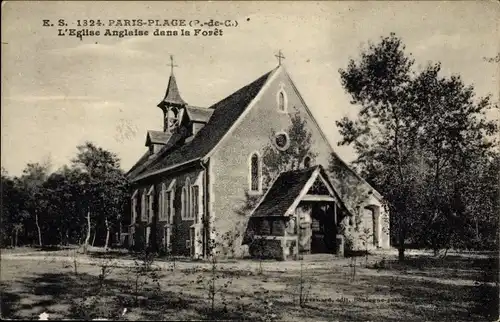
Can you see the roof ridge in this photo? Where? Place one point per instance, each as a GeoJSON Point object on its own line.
{"type": "Point", "coordinates": [322, 133]}
{"type": "Point", "coordinates": [225, 113]}
{"type": "Point", "coordinates": [241, 89]}
{"type": "Point", "coordinates": [314, 167]}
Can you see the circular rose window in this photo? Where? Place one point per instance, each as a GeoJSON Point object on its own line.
{"type": "Point", "coordinates": [281, 141]}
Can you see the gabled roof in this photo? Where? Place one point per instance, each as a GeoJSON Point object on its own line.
{"type": "Point", "coordinates": [199, 114]}
{"type": "Point", "coordinates": [287, 190]}
{"type": "Point", "coordinates": [172, 95]}
{"type": "Point", "coordinates": [283, 192]}
{"type": "Point", "coordinates": [225, 113]}
{"type": "Point", "coordinates": [362, 180]}
{"type": "Point", "coordinates": [224, 116]}
{"type": "Point", "coordinates": [147, 159]}
{"type": "Point", "coordinates": [157, 137]}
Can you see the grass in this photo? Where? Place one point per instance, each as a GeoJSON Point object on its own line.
{"type": "Point", "coordinates": [423, 289]}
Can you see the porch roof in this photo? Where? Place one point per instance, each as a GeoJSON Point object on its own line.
{"type": "Point", "coordinates": [288, 190]}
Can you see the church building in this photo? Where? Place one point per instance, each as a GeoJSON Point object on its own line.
{"type": "Point", "coordinates": [251, 175]}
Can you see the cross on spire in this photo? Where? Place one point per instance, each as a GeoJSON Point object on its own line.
{"type": "Point", "coordinates": [280, 57]}
{"type": "Point", "coordinates": [172, 64]}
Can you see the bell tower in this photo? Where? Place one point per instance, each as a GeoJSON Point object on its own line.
{"type": "Point", "coordinates": [172, 105]}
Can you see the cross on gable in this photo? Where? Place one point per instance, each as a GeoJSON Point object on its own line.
{"type": "Point", "coordinates": [172, 64]}
{"type": "Point", "coordinates": [280, 57]}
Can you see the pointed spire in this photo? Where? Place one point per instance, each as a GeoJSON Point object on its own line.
{"type": "Point", "coordinates": [172, 95]}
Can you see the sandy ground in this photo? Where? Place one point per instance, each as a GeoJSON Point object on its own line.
{"type": "Point", "coordinates": [423, 289]}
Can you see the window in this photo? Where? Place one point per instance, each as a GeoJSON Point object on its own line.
{"type": "Point", "coordinates": [187, 203]}
{"type": "Point", "coordinates": [188, 198]}
{"type": "Point", "coordinates": [171, 209]}
{"type": "Point", "coordinates": [255, 173]}
{"type": "Point", "coordinates": [265, 227]}
{"type": "Point", "coordinates": [183, 203]}
{"type": "Point", "coordinates": [134, 208]}
{"type": "Point", "coordinates": [281, 141]}
{"type": "Point", "coordinates": [307, 162]}
{"type": "Point", "coordinates": [291, 227]}
{"type": "Point", "coordinates": [144, 214]}
{"type": "Point", "coordinates": [195, 194]}
{"type": "Point", "coordinates": [150, 198]}
{"type": "Point", "coordinates": [161, 203]}
{"type": "Point", "coordinates": [282, 101]}
{"type": "Point", "coordinates": [167, 205]}
{"type": "Point", "coordinates": [173, 117]}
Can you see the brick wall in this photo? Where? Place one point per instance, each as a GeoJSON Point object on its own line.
{"type": "Point", "coordinates": [180, 227]}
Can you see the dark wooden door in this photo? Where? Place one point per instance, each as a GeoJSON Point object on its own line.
{"type": "Point", "coordinates": [323, 229]}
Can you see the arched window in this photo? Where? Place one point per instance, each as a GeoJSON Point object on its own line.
{"type": "Point", "coordinates": [161, 203]}
{"type": "Point", "coordinates": [188, 198]}
{"type": "Point", "coordinates": [282, 101]}
{"type": "Point", "coordinates": [195, 194]}
{"type": "Point", "coordinates": [150, 200]}
{"type": "Point", "coordinates": [307, 162]}
{"type": "Point", "coordinates": [255, 173]}
{"type": "Point", "coordinates": [144, 208]}
{"type": "Point", "coordinates": [188, 210]}
{"type": "Point", "coordinates": [173, 117]}
{"type": "Point", "coordinates": [183, 203]}
{"type": "Point", "coordinates": [134, 208]}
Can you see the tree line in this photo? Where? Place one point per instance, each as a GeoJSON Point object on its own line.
{"type": "Point", "coordinates": [428, 144]}
{"type": "Point", "coordinates": [80, 203]}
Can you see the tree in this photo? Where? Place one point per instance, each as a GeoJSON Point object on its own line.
{"type": "Point", "coordinates": [104, 186]}
{"type": "Point", "coordinates": [478, 191]}
{"type": "Point", "coordinates": [64, 204]}
{"type": "Point", "coordinates": [31, 182]}
{"type": "Point", "coordinates": [412, 133]}
{"type": "Point", "coordinates": [114, 201]}
{"type": "Point", "coordinates": [13, 216]}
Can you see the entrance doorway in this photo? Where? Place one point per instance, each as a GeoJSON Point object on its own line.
{"type": "Point", "coordinates": [323, 228]}
{"type": "Point", "coordinates": [371, 225]}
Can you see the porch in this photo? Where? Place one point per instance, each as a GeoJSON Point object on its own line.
{"type": "Point", "coordinates": [299, 214]}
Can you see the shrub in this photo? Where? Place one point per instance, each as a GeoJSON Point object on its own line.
{"type": "Point", "coordinates": [348, 245]}
{"type": "Point", "coordinates": [269, 249]}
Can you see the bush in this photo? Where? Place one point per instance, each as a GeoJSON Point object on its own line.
{"type": "Point", "coordinates": [349, 249]}
{"type": "Point", "coordinates": [382, 264]}
{"type": "Point", "coordinates": [266, 248]}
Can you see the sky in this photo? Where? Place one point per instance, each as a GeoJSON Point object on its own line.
{"type": "Point", "coordinates": [60, 91]}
